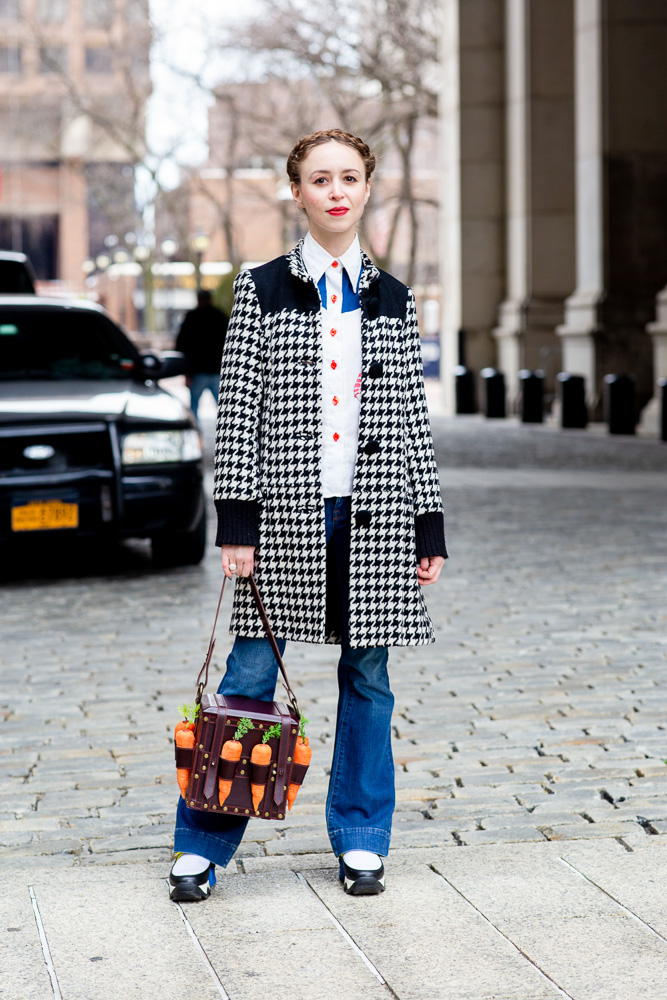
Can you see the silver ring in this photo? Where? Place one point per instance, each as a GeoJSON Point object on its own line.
{"type": "Point", "coordinates": [232, 567]}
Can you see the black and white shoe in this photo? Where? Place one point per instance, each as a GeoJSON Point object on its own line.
{"type": "Point", "coordinates": [361, 873]}
{"type": "Point", "coordinates": [191, 878]}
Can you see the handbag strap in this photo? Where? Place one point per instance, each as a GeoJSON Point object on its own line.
{"type": "Point", "coordinates": [202, 679]}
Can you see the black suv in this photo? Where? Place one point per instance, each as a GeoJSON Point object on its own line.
{"type": "Point", "coordinates": [90, 444]}
{"type": "Point", "coordinates": [16, 274]}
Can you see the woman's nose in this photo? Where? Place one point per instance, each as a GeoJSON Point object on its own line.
{"type": "Point", "coordinates": [336, 189]}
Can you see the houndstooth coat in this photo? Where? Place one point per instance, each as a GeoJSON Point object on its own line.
{"type": "Point", "coordinates": [268, 449]}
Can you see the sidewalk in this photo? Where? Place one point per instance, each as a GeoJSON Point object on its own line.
{"type": "Point", "coordinates": [528, 856]}
{"type": "Point", "coordinates": [509, 922]}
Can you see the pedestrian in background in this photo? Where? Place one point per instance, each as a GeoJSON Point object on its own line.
{"type": "Point", "coordinates": [326, 489]}
{"type": "Point", "coordinates": [201, 339]}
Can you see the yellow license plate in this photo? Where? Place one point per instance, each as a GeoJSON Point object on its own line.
{"type": "Point", "coordinates": [41, 516]}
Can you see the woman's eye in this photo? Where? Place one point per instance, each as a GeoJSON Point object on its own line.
{"type": "Point", "coordinates": [320, 179]}
{"type": "Point", "coordinates": [351, 177]}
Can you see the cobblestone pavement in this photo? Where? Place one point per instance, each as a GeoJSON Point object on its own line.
{"type": "Point", "coordinates": [538, 715]}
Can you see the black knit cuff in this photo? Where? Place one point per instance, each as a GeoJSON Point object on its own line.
{"type": "Point", "coordinates": [238, 522]}
{"type": "Point", "coordinates": [430, 534]}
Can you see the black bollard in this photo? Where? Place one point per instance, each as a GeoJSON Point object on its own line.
{"type": "Point", "coordinates": [532, 396]}
{"type": "Point", "coordinates": [494, 393]}
{"type": "Point", "coordinates": [662, 383]}
{"type": "Point", "coordinates": [620, 404]}
{"type": "Point", "coordinates": [574, 412]}
{"type": "Point", "coordinates": [465, 390]}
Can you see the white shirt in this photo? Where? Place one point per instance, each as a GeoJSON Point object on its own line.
{"type": "Point", "coordinates": [337, 280]}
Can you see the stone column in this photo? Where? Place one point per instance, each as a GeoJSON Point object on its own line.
{"type": "Point", "coordinates": [73, 235]}
{"type": "Point", "coordinates": [650, 422]}
{"type": "Point", "coordinates": [621, 190]}
{"type": "Point", "coordinates": [539, 41]}
{"type": "Point", "coordinates": [472, 183]}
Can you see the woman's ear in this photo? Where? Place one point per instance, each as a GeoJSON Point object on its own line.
{"type": "Point", "coordinates": [296, 194]}
{"type": "Point", "coordinates": [368, 191]}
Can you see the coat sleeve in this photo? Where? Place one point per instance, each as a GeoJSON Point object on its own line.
{"type": "Point", "coordinates": [423, 469]}
{"type": "Point", "coordinates": [236, 489]}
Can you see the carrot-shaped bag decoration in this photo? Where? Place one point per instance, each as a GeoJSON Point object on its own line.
{"type": "Point", "coordinates": [302, 755]}
{"type": "Point", "coordinates": [231, 751]}
{"type": "Point", "coordinates": [261, 758]}
{"type": "Point", "coordinates": [184, 736]}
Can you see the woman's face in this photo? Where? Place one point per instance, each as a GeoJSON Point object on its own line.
{"type": "Point", "coordinates": [333, 189]}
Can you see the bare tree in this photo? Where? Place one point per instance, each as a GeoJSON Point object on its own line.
{"type": "Point", "coordinates": [369, 66]}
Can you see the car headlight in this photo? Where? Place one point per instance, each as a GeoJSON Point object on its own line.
{"type": "Point", "coordinates": [152, 447]}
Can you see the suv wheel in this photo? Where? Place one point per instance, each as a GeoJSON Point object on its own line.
{"type": "Point", "coordinates": [184, 549]}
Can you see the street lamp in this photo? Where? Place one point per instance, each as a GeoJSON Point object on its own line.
{"type": "Point", "coordinates": [200, 244]}
{"type": "Point", "coordinates": [169, 248]}
{"type": "Point", "coordinates": [143, 256]}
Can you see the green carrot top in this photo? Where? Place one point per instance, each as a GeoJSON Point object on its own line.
{"type": "Point", "coordinates": [189, 712]}
{"type": "Point", "coordinates": [303, 722]}
{"type": "Point", "coordinates": [271, 732]}
{"type": "Point", "coordinates": [243, 727]}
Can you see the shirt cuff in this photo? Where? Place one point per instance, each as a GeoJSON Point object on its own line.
{"type": "Point", "coordinates": [238, 522]}
{"type": "Point", "coordinates": [430, 534]}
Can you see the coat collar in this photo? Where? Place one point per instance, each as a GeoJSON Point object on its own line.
{"type": "Point", "coordinates": [369, 272]}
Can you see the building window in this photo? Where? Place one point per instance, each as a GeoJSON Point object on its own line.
{"type": "Point", "coordinates": [53, 59]}
{"type": "Point", "coordinates": [98, 13]}
{"type": "Point", "coordinates": [98, 59]}
{"type": "Point", "coordinates": [9, 10]}
{"type": "Point", "coordinates": [52, 11]}
{"type": "Point", "coordinates": [10, 59]}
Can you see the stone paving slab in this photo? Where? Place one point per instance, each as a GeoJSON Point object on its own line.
{"type": "Point", "coordinates": [422, 936]}
{"type": "Point", "coordinates": [268, 935]}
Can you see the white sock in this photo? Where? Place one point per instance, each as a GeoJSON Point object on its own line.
{"type": "Point", "coordinates": [362, 860]}
{"type": "Point", "coordinates": [190, 864]}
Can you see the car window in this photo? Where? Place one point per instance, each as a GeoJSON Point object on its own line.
{"type": "Point", "coordinates": [15, 279]}
{"type": "Point", "coordinates": [62, 344]}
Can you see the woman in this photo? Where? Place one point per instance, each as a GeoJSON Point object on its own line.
{"type": "Point", "coordinates": [326, 488]}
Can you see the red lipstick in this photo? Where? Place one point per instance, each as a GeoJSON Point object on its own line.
{"type": "Point", "coordinates": [341, 210]}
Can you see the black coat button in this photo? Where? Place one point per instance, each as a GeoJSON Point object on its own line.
{"type": "Point", "coordinates": [375, 369]}
{"type": "Point", "coordinates": [372, 448]}
{"type": "Point", "coordinates": [363, 518]}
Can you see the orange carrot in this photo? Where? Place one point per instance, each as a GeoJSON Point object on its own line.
{"type": "Point", "coordinates": [231, 750]}
{"type": "Point", "coordinates": [261, 754]}
{"type": "Point", "coordinates": [184, 737]}
{"type": "Point", "coordinates": [302, 755]}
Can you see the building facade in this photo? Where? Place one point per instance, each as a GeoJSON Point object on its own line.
{"type": "Point", "coordinates": [554, 190]}
{"type": "Point", "coordinates": [74, 80]}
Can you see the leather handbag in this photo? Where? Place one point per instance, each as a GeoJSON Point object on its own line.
{"type": "Point", "coordinates": [217, 721]}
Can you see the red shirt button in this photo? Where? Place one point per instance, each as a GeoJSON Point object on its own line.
{"type": "Point", "coordinates": [335, 401]}
{"type": "Point", "coordinates": [335, 264]}
{"type": "Point", "coordinates": [333, 298]}
{"type": "Point", "coordinates": [336, 436]}
{"type": "Point", "coordinates": [332, 332]}
{"type": "Point", "coordinates": [334, 364]}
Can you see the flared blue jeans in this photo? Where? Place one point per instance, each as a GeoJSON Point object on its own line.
{"type": "Point", "coordinates": [360, 801]}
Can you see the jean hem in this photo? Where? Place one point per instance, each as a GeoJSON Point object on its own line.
{"type": "Point", "coordinates": [362, 838]}
{"type": "Point", "coordinates": [215, 848]}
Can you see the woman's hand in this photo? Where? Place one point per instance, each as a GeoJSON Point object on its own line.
{"type": "Point", "coordinates": [238, 560]}
{"type": "Point", "coordinates": [428, 569]}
